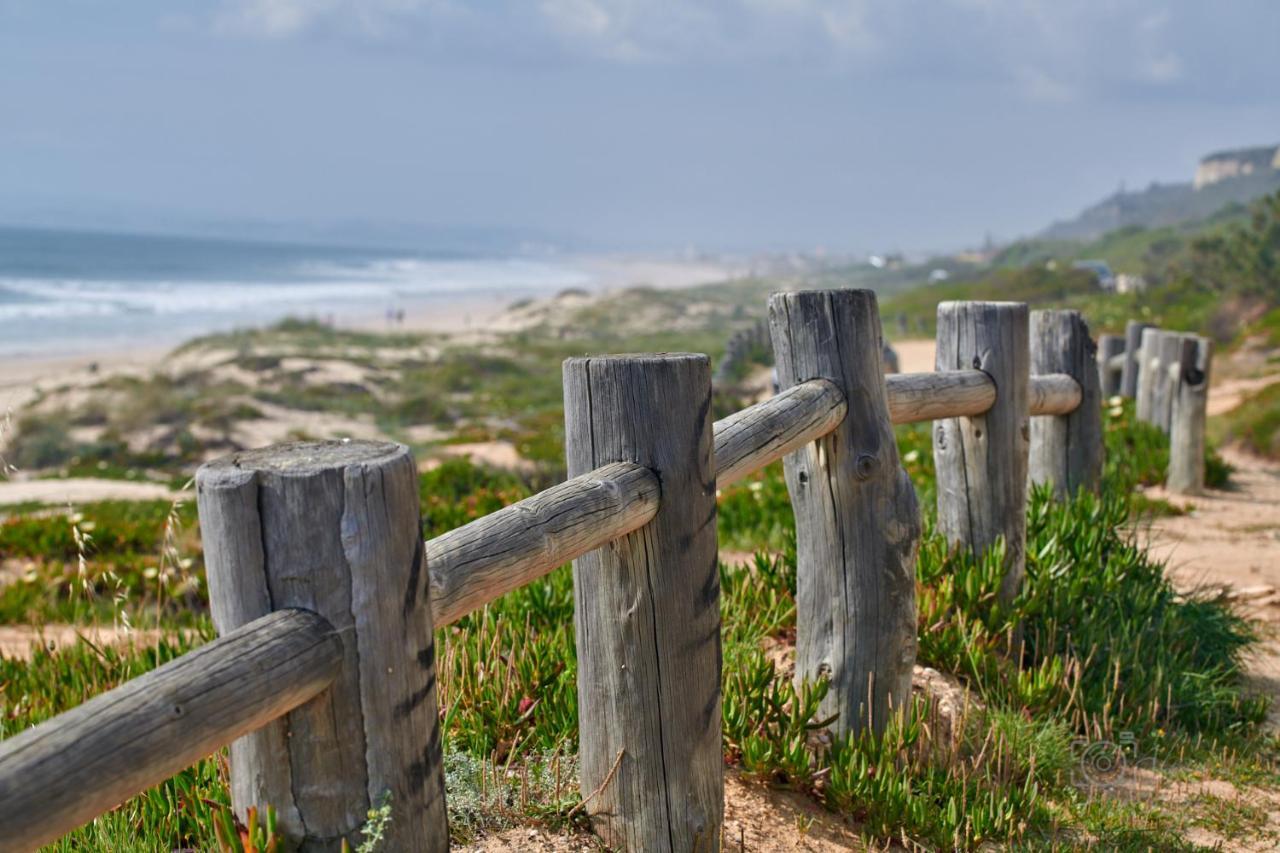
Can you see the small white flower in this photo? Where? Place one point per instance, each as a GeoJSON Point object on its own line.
{"type": "Point", "coordinates": [912, 456]}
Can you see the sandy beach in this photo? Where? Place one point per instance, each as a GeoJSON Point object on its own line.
{"type": "Point", "coordinates": [23, 377]}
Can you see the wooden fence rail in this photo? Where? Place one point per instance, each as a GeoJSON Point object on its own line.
{"type": "Point", "coordinates": [88, 760]}
{"type": "Point", "coordinates": [332, 528]}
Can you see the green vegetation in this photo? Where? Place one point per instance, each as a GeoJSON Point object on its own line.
{"type": "Point", "coordinates": [130, 562]}
{"type": "Point", "coordinates": [1255, 423]}
{"type": "Point", "coordinates": [1110, 654]}
{"type": "Point", "coordinates": [1098, 652]}
{"type": "Point", "coordinates": [1218, 276]}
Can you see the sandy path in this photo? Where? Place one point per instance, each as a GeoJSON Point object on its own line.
{"type": "Point", "coordinates": [1231, 539]}
{"type": "Point", "coordinates": [79, 490]}
{"type": "Point", "coordinates": [915, 356]}
{"type": "Point", "coordinates": [1228, 393]}
{"type": "Point", "coordinates": [19, 641]}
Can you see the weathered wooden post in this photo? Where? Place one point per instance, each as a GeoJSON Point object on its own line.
{"type": "Point", "coordinates": [1190, 404]}
{"type": "Point", "coordinates": [333, 527]}
{"type": "Point", "coordinates": [1110, 347]}
{"type": "Point", "coordinates": [857, 521]}
{"type": "Point", "coordinates": [1132, 349]}
{"type": "Point", "coordinates": [982, 460]}
{"type": "Point", "coordinates": [1066, 450]}
{"type": "Point", "coordinates": [647, 608]}
{"type": "Point", "coordinates": [1166, 380]}
{"type": "Point", "coordinates": [1148, 374]}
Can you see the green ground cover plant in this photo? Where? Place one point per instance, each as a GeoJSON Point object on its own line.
{"type": "Point", "coordinates": [1109, 653]}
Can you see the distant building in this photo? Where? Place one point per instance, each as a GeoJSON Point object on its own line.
{"type": "Point", "coordinates": [1126, 283]}
{"type": "Point", "coordinates": [1223, 165]}
{"type": "Point", "coordinates": [1101, 271]}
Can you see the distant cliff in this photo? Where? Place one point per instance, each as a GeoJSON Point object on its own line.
{"type": "Point", "coordinates": [1224, 165]}
{"type": "Point", "coordinates": [1221, 178]}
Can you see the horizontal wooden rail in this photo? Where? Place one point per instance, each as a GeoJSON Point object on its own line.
{"type": "Point", "coordinates": [915, 397]}
{"type": "Point", "coordinates": [72, 768]}
{"type": "Point", "coordinates": [491, 556]}
{"type": "Point", "coordinates": [748, 440]}
{"type": "Point", "coordinates": [1054, 394]}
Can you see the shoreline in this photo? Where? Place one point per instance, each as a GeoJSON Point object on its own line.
{"type": "Point", "coordinates": [23, 376]}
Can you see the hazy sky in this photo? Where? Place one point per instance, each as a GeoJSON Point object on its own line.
{"type": "Point", "coordinates": [851, 124]}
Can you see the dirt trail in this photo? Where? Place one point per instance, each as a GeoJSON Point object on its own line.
{"type": "Point", "coordinates": [79, 490]}
{"type": "Point", "coordinates": [1230, 540]}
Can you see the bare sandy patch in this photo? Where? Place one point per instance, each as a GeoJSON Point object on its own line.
{"type": "Point", "coordinates": [19, 642]}
{"type": "Point", "coordinates": [1230, 393]}
{"type": "Point", "coordinates": [915, 356]}
{"type": "Point", "coordinates": [496, 454]}
{"type": "Point", "coordinates": [279, 423]}
{"type": "Point", "coordinates": [79, 490]}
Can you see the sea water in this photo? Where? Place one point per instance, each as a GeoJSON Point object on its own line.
{"type": "Point", "coordinates": [68, 292]}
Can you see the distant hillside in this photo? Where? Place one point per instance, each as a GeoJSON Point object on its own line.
{"type": "Point", "coordinates": [1222, 178]}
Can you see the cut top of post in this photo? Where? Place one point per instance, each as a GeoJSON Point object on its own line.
{"type": "Point", "coordinates": [307, 458]}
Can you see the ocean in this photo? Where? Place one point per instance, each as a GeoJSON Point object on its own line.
{"type": "Point", "coordinates": [72, 292]}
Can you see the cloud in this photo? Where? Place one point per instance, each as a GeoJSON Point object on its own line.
{"type": "Point", "coordinates": [1045, 50]}
{"type": "Point", "coordinates": [1156, 62]}
{"type": "Point", "coordinates": [280, 19]}
{"type": "Point", "coordinates": [706, 31]}
{"type": "Point", "coordinates": [1038, 85]}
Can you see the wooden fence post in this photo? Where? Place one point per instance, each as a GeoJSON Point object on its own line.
{"type": "Point", "coordinates": [857, 520]}
{"type": "Point", "coordinates": [333, 527]}
{"type": "Point", "coordinates": [647, 608]}
{"type": "Point", "coordinates": [1190, 403]}
{"type": "Point", "coordinates": [1109, 346]}
{"type": "Point", "coordinates": [1066, 450]}
{"type": "Point", "coordinates": [1132, 348]}
{"type": "Point", "coordinates": [1148, 374]}
{"type": "Point", "coordinates": [981, 461]}
{"type": "Point", "coordinates": [1166, 379]}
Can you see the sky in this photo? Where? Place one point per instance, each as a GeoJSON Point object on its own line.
{"type": "Point", "coordinates": [742, 125]}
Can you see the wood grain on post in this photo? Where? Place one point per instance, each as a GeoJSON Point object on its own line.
{"type": "Point", "coordinates": [472, 565]}
{"type": "Point", "coordinates": [981, 460]}
{"type": "Point", "coordinates": [647, 608]}
{"type": "Point", "coordinates": [1190, 403]}
{"type": "Point", "coordinates": [857, 520]}
{"type": "Point", "coordinates": [1066, 449]}
{"type": "Point", "coordinates": [86, 761]}
{"type": "Point", "coordinates": [333, 527]}
{"type": "Point", "coordinates": [1109, 373]}
{"type": "Point", "coordinates": [1132, 350]}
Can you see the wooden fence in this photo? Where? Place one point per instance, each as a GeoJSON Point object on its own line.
{"type": "Point", "coordinates": [1166, 374]}
{"type": "Point", "coordinates": [324, 679]}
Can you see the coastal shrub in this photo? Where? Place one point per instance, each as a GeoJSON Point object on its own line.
{"type": "Point", "coordinates": [40, 441]}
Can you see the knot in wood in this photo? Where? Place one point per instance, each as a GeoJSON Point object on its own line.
{"type": "Point", "coordinates": [864, 466]}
